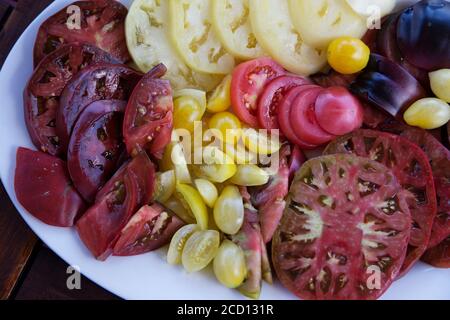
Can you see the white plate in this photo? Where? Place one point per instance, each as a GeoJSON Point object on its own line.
{"type": "Point", "coordinates": [147, 276]}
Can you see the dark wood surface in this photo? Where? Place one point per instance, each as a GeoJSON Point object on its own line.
{"type": "Point", "coordinates": [29, 270]}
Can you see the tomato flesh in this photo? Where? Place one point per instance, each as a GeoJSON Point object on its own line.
{"type": "Point", "coordinates": [338, 111]}
{"type": "Point", "coordinates": [345, 216]}
{"type": "Point", "coordinates": [149, 229]}
{"type": "Point", "coordinates": [411, 167]}
{"type": "Point", "coordinates": [272, 97]}
{"type": "Point", "coordinates": [96, 146]}
{"type": "Point", "coordinates": [101, 24]}
{"type": "Point", "coordinates": [304, 121]}
{"type": "Point", "coordinates": [98, 82]}
{"type": "Point", "coordinates": [148, 119]}
{"type": "Point", "coordinates": [44, 189]}
{"type": "Point", "coordinates": [439, 256]}
{"type": "Point", "coordinates": [43, 91]}
{"type": "Point", "coordinates": [248, 82]}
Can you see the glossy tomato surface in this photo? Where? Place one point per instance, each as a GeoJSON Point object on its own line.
{"type": "Point", "coordinates": [101, 24]}
{"type": "Point", "coordinates": [43, 91]}
{"type": "Point", "coordinates": [439, 256]}
{"type": "Point", "coordinates": [96, 146]}
{"type": "Point", "coordinates": [148, 119]}
{"type": "Point", "coordinates": [98, 82]}
{"type": "Point", "coordinates": [346, 216]}
{"type": "Point", "coordinates": [149, 229]}
{"type": "Point", "coordinates": [249, 80]}
{"type": "Point", "coordinates": [412, 169]}
{"type": "Point", "coordinates": [44, 189]}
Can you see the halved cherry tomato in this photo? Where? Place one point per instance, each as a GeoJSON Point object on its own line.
{"type": "Point", "coordinates": [248, 82]}
{"type": "Point", "coordinates": [101, 24]}
{"type": "Point", "coordinates": [228, 125]}
{"type": "Point", "coordinates": [148, 119]}
{"type": "Point", "coordinates": [149, 229]}
{"type": "Point", "coordinates": [303, 118]}
{"type": "Point", "coordinates": [338, 111]}
{"type": "Point", "coordinates": [44, 189]}
{"type": "Point", "coordinates": [284, 116]}
{"type": "Point", "coordinates": [272, 96]}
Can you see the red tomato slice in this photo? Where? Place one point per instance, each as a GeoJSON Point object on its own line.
{"type": "Point", "coordinates": [271, 98]}
{"type": "Point", "coordinates": [303, 118]}
{"type": "Point", "coordinates": [296, 160]}
{"type": "Point", "coordinates": [248, 83]}
{"type": "Point", "coordinates": [149, 229]}
{"type": "Point", "coordinates": [284, 116]}
{"type": "Point", "coordinates": [148, 119]}
{"type": "Point", "coordinates": [96, 146]}
{"type": "Point", "coordinates": [44, 189]}
{"type": "Point", "coordinates": [439, 256]}
{"type": "Point", "coordinates": [338, 111]}
{"type": "Point", "coordinates": [102, 25]}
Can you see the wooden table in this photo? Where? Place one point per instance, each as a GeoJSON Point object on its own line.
{"type": "Point", "coordinates": [28, 269]}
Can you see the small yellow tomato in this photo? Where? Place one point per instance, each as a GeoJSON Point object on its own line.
{"type": "Point", "coordinates": [194, 201]}
{"type": "Point", "coordinates": [348, 55]}
{"type": "Point", "coordinates": [218, 167]}
{"type": "Point", "coordinates": [229, 265]}
{"type": "Point", "coordinates": [186, 111]}
{"type": "Point", "coordinates": [207, 190]}
{"type": "Point", "coordinates": [440, 84]}
{"type": "Point", "coordinates": [250, 175]}
{"type": "Point", "coordinates": [220, 99]}
{"type": "Point", "coordinates": [228, 125]}
{"type": "Point", "coordinates": [178, 159]}
{"type": "Point", "coordinates": [178, 242]}
{"type": "Point", "coordinates": [177, 207]}
{"type": "Point", "coordinates": [198, 95]}
{"type": "Point", "coordinates": [261, 142]}
{"type": "Point", "coordinates": [200, 249]}
{"type": "Point", "coordinates": [428, 113]}
{"type": "Point", "coordinates": [229, 210]}
{"type": "Point", "coordinates": [165, 185]}
{"type": "Point", "coordinates": [239, 154]}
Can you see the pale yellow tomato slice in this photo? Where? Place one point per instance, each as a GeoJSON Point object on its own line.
{"type": "Point", "coordinates": [178, 242]}
{"type": "Point", "coordinates": [200, 249]}
{"type": "Point", "coordinates": [229, 210]}
{"type": "Point", "coordinates": [250, 175]}
{"type": "Point", "coordinates": [180, 209]}
{"type": "Point", "coordinates": [229, 265]}
{"type": "Point", "coordinates": [187, 194]}
{"type": "Point", "coordinates": [368, 8]}
{"type": "Point", "coordinates": [261, 141]}
{"type": "Point", "coordinates": [165, 185]}
{"type": "Point", "coordinates": [220, 99]}
{"type": "Point", "coordinates": [218, 167]}
{"type": "Point", "coordinates": [207, 190]}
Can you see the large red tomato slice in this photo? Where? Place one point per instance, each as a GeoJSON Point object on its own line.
{"type": "Point", "coordinates": [101, 24]}
{"type": "Point", "coordinates": [44, 189]}
{"type": "Point", "coordinates": [439, 256]}
{"type": "Point", "coordinates": [411, 167]}
{"type": "Point", "coordinates": [272, 97]}
{"type": "Point", "coordinates": [148, 119]}
{"type": "Point", "coordinates": [96, 146]}
{"type": "Point", "coordinates": [284, 116]}
{"type": "Point", "coordinates": [345, 231]}
{"type": "Point", "coordinates": [149, 229]}
{"type": "Point", "coordinates": [338, 111]}
{"type": "Point", "coordinates": [439, 157]}
{"type": "Point", "coordinates": [304, 121]}
{"type": "Point", "coordinates": [42, 94]}
{"type": "Point", "coordinates": [128, 190]}
{"type": "Point", "coordinates": [248, 82]}
{"type": "Point", "coordinates": [98, 82]}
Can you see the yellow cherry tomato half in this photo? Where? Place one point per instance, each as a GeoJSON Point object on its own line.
{"type": "Point", "coordinates": [218, 167]}
{"type": "Point", "coordinates": [177, 207]}
{"type": "Point", "coordinates": [200, 249]}
{"type": "Point", "coordinates": [229, 210]}
{"type": "Point", "coordinates": [178, 242]}
{"type": "Point", "coordinates": [207, 190]}
{"type": "Point", "coordinates": [220, 98]}
{"type": "Point", "coordinates": [440, 84]}
{"type": "Point", "coordinates": [165, 185]}
{"type": "Point", "coordinates": [250, 175]}
{"type": "Point", "coordinates": [260, 141]}
{"type": "Point", "coordinates": [428, 113]}
{"type": "Point", "coordinates": [198, 95]}
{"type": "Point", "coordinates": [194, 201]}
{"type": "Point", "coordinates": [239, 154]}
{"type": "Point", "coordinates": [228, 125]}
{"type": "Point", "coordinates": [229, 265]}
{"type": "Point", "coordinates": [186, 111]}
{"type": "Point", "coordinates": [348, 55]}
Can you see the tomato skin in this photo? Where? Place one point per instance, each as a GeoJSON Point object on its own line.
{"type": "Point", "coordinates": [148, 119]}
{"type": "Point", "coordinates": [439, 256]}
{"type": "Point", "coordinates": [102, 25]}
{"type": "Point", "coordinates": [149, 229]}
{"type": "Point", "coordinates": [296, 160]}
{"type": "Point", "coordinates": [272, 97]}
{"type": "Point", "coordinates": [304, 121]}
{"type": "Point", "coordinates": [247, 84]}
{"type": "Point", "coordinates": [284, 116]}
{"type": "Point", "coordinates": [338, 111]}
{"type": "Point", "coordinates": [43, 187]}
{"type": "Point", "coordinates": [348, 55]}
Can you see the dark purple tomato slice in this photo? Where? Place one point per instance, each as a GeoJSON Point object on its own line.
{"type": "Point", "coordinates": [148, 119]}
{"type": "Point", "coordinates": [439, 256]}
{"type": "Point", "coordinates": [96, 146]}
{"type": "Point", "coordinates": [43, 187]}
{"type": "Point", "coordinates": [346, 219]}
{"type": "Point", "coordinates": [98, 82]}
{"type": "Point", "coordinates": [42, 94]}
{"type": "Point", "coordinates": [411, 167]}
{"type": "Point", "coordinates": [149, 229]}
{"type": "Point", "coordinates": [271, 98]}
{"type": "Point", "coordinates": [128, 190]}
{"type": "Point", "coordinates": [101, 25]}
